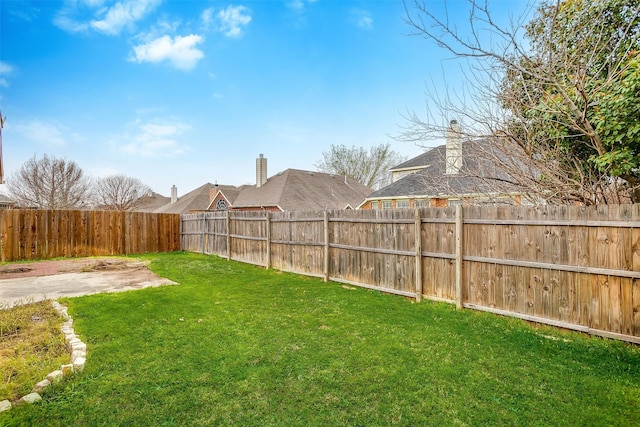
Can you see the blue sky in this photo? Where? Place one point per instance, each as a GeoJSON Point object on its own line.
{"type": "Point", "coordinates": [189, 92]}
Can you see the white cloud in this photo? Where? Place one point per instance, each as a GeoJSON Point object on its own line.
{"type": "Point", "coordinates": [161, 28]}
{"type": "Point", "coordinates": [362, 19]}
{"type": "Point", "coordinates": [207, 17]}
{"type": "Point", "coordinates": [154, 139]}
{"type": "Point", "coordinates": [5, 68]}
{"type": "Point", "coordinates": [232, 19]}
{"type": "Point", "coordinates": [229, 21]}
{"type": "Point", "coordinates": [80, 16]}
{"type": "Point", "coordinates": [123, 14]}
{"type": "Point", "coordinates": [299, 13]}
{"type": "Point", "coordinates": [49, 134]}
{"type": "Point", "coordinates": [23, 11]}
{"type": "Point", "coordinates": [179, 51]}
{"type": "Point", "coordinates": [69, 24]}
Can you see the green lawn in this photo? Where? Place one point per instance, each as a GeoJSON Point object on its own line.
{"type": "Point", "coordinates": [234, 344]}
{"type": "Point", "coordinates": [31, 346]}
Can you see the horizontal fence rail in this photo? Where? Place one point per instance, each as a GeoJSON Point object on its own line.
{"type": "Point", "coordinates": [27, 234]}
{"type": "Point", "coordinates": [566, 266]}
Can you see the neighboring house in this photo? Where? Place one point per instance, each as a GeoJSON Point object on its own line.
{"type": "Point", "coordinates": [194, 201]}
{"type": "Point", "coordinates": [410, 166]}
{"type": "Point", "coordinates": [223, 196]}
{"type": "Point", "coordinates": [292, 190]}
{"type": "Point", "coordinates": [6, 202]}
{"type": "Point", "coordinates": [152, 202]}
{"type": "Point", "coordinates": [454, 173]}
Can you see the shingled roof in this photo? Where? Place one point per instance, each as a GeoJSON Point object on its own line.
{"type": "Point", "coordinates": [295, 190]}
{"type": "Point", "coordinates": [152, 202]}
{"type": "Point", "coordinates": [417, 162]}
{"type": "Point", "coordinates": [476, 176]}
{"type": "Point", "coordinates": [6, 202]}
{"type": "Point", "coordinates": [193, 201]}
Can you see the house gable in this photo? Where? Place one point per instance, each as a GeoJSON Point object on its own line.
{"type": "Point", "coordinates": [222, 197]}
{"type": "Point", "coordinates": [219, 202]}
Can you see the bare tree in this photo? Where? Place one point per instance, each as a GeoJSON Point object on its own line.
{"type": "Point", "coordinates": [120, 192]}
{"type": "Point", "coordinates": [557, 96]}
{"type": "Point", "coordinates": [50, 183]}
{"type": "Point", "coordinates": [370, 168]}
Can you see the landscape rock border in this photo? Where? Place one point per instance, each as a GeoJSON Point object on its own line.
{"type": "Point", "coordinates": [78, 351]}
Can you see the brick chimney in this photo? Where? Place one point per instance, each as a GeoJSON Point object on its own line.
{"type": "Point", "coordinates": [174, 194]}
{"type": "Point", "coordinates": [261, 171]}
{"type": "Point", "coordinates": [454, 148]}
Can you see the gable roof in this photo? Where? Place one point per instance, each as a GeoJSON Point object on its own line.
{"type": "Point", "coordinates": [294, 190]}
{"type": "Point", "coordinates": [152, 202]}
{"type": "Point", "coordinates": [227, 192]}
{"type": "Point", "coordinates": [478, 175]}
{"type": "Point", "coordinates": [196, 200]}
{"type": "Point", "coordinates": [418, 162]}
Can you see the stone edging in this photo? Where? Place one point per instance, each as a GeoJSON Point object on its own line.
{"type": "Point", "coordinates": [78, 359]}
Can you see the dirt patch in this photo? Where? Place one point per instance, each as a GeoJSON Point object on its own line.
{"type": "Point", "coordinates": [75, 265]}
{"type": "Point", "coordinates": [31, 282]}
{"type": "Point", "coordinates": [15, 270]}
{"type": "Point", "coordinates": [114, 265]}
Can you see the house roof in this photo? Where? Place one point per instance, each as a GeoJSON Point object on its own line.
{"type": "Point", "coordinates": [415, 163]}
{"type": "Point", "coordinates": [196, 200]}
{"type": "Point", "coordinates": [294, 189]}
{"type": "Point", "coordinates": [152, 202]}
{"type": "Point", "coordinates": [230, 192]}
{"type": "Point", "coordinates": [5, 199]}
{"type": "Point", "coordinates": [478, 175]}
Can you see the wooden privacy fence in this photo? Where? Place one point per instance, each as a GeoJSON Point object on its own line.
{"type": "Point", "coordinates": [572, 267]}
{"type": "Point", "coordinates": [41, 234]}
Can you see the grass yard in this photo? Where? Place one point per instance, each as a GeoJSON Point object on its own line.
{"type": "Point", "coordinates": [31, 346]}
{"type": "Point", "coordinates": [235, 345]}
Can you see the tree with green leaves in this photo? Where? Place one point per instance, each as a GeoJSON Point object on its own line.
{"type": "Point", "coordinates": [559, 94]}
{"type": "Point", "coordinates": [370, 168]}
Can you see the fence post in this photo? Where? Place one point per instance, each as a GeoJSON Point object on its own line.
{"type": "Point", "coordinates": [2, 230]}
{"type": "Point", "coordinates": [418, 249]}
{"type": "Point", "coordinates": [326, 246]}
{"type": "Point", "coordinates": [204, 231]}
{"type": "Point", "coordinates": [268, 249]}
{"type": "Point", "coordinates": [180, 230]}
{"type": "Point", "coordinates": [459, 256]}
{"type": "Point", "coordinates": [228, 222]}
